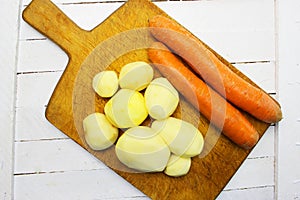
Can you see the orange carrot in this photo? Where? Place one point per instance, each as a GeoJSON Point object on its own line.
{"type": "Point", "coordinates": [213, 71]}
{"type": "Point", "coordinates": [213, 106]}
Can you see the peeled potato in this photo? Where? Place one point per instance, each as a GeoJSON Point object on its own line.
{"type": "Point", "coordinates": [136, 75]}
{"type": "Point", "coordinates": [161, 98]}
{"type": "Point", "coordinates": [178, 166]}
{"type": "Point", "coordinates": [106, 83]}
{"type": "Point", "coordinates": [182, 137]}
{"type": "Point", "coordinates": [126, 109]}
{"type": "Point", "coordinates": [99, 133]}
{"type": "Point", "coordinates": [141, 149]}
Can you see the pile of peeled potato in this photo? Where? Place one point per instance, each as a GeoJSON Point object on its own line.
{"type": "Point", "coordinates": [167, 145]}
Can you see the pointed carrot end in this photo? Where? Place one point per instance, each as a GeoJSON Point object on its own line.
{"type": "Point", "coordinates": [251, 143]}
{"type": "Point", "coordinates": [278, 115]}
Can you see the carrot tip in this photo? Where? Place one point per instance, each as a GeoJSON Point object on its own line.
{"type": "Point", "coordinates": [279, 115]}
{"type": "Point", "coordinates": [251, 143]}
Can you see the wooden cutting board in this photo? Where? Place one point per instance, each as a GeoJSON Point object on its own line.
{"type": "Point", "coordinates": [123, 38]}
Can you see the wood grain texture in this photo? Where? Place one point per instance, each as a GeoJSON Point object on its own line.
{"type": "Point", "coordinates": [105, 48]}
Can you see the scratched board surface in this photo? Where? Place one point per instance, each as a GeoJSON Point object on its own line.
{"type": "Point", "coordinates": [123, 38]}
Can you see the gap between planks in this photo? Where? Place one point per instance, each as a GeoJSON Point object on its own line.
{"type": "Point", "coordinates": [247, 188]}
{"type": "Point", "coordinates": [57, 172]}
{"type": "Point", "coordinates": [39, 72]}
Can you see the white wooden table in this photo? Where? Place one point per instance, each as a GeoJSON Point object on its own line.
{"type": "Point", "coordinates": [260, 37]}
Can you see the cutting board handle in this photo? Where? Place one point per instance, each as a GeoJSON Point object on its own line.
{"type": "Point", "coordinates": [48, 19]}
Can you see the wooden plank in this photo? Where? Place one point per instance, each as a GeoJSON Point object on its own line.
{"type": "Point", "coordinates": [263, 74]}
{"type": "Point", "coordinates": [9, 23]}
{"type": "Point", "coordinates": [263, 177]}
{"type": "Point", "coordinates": [288, 180]}
{"type": "Point", "coordinates": [29, 33]}
{"type": "Point", "coordinates": [231, 19]}
{"type": "Point", "coordinates": [62, 155]}
{"type": "Point", "coordinates": [89, 179]}
{"type": "Point", "coordinates": [222, 15]}
{"type": "Point", "coordinates": [240, 46]}
{"type": "Point", "coordinates": [93, 184]}
{"type": "Point", "coordinates": [33, 93]}
{"type": "Point", "coordinates": [37, 55]}
{"type": "Point", "coordinates": [234, 39]}
{"type": "Point", "coordinates": [266, 146]}
{"type": "Point", "coordinates": [30, 94]}
{"type": "Point", "coordinates": [257, 193]}
{"type": "Point", "coordinates": [31, 124]}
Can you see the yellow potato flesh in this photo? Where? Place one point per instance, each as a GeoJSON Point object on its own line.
{"type": "Point", "coordinates": [126, 109]}
{"type": "Point", "coordinates": [106, 83]}
{"type": "Point", "coordinates": [182, 137]}
{"type": "Point", "coordinates": [177, 166]}
{"type": "Point", "coordinates": [99, 133]}
{"type": "Point", "coordinates": [141, 149]}
{"type": "Point", "coordinates": [136, 75]}
{"type": "Point", "coordinates": [161, 98]}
